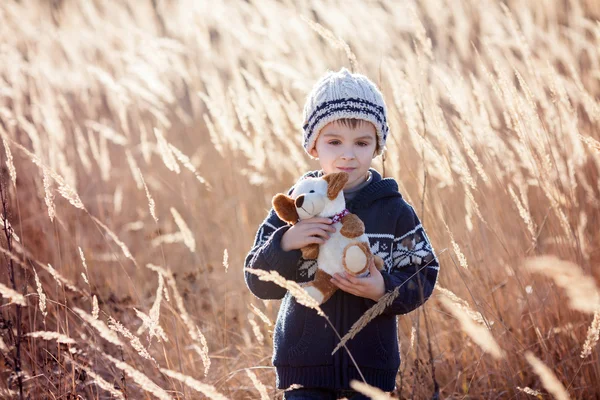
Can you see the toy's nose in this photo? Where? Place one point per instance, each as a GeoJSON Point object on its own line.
{"type": "Point", "coordinates": [299, 201]}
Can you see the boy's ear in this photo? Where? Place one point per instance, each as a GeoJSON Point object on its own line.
{"type": "Point", "coordinates": [285, 208]}
{"type": "Point", "coordinates": [335, 183]}
{"type": "Point", "coordinates": [313, 152]}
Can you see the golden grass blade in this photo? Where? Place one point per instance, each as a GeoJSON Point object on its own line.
{"type": "Point", "coordinates": [479, 334]}
{"type": "Point", "coordinates": [151, 204]}
{"type": "Point", "coordinates": [9, 158]}
{"type": "Point", "coordinates": [549, 380]}
{"type": "Point", "coordinates": [142, 380]}
{"type": "Point", "coordinates": [256, 329]}
{"type": "Point", "coordinates": [100, 326]}
{"type": "Point", "coordinates": [12, 295]}
{"type": "Point", "coordinates": [225, 260]}
{"type": "Point", "coordinates": [462, 304]}
{"type": "Point", "coordinates": [295, 290]}
{"type": "Point", "coordinates": [207, 390]}
{"type": "Point", "coordinates": [186, 162]}
{"type": "Point", "coordinates": [581, 290]}
{"type": "Point", "coordinates": [116, 239]}
{"type": "Point", "coordinates": [261, 315]}
{"type": "Point", "coordinates": [95, 308]}
{"type": "Point", "coordinates": [154, 330]}
{"type": "Point", "coordinates": [188, 236]}
{"type": "Point", "coordinates": [370, 391]}
{"type": "Point", "coordinates": [58, 337]}
{"type": "Point", "coordinates": [41, 294]}
{"type": "Point", "coordinates": [165, 152]}
{"type": "Point", "coordinates": [85, 275]}
{"type": "Point", "coordinates": [377, 309]}
{"type": "Point", "coordinates": [98, 380]}
{"type": "Point", "coordinates": [593, 334]}
{"type": "Point", "coordinates": [133, 340]}
{"type": "Point", "coordinates": [258, 385]}
{"type": "Point", "coordinates": [529, 391]}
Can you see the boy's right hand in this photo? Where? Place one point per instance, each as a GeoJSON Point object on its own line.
{"type": "Point", "coordinates": [311, 230]}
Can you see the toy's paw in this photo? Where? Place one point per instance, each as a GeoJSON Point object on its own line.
{"type": "Point", "coordinates": [310, 252]}
{"type": "Point", "coordinates": [315, 294]}
{"type": "Point", "coordinates": [379, 263]}
{"type": "Point", "coordinates": [356, 259]}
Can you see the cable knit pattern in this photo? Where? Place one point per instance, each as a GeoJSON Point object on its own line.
{"type": "Point", "coordinates": [302, 340]}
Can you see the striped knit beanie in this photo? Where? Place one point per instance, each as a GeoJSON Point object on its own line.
{"type": "Point", "coordinates": [343, 94]}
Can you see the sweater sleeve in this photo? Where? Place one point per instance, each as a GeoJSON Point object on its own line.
{"type": "Point", "coordinates": [267, 255]}
{"type": "Point", "coordinates": [412, 254]}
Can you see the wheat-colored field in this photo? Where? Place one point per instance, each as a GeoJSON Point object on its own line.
{"type": "Point", "coordinates": [143, 142]}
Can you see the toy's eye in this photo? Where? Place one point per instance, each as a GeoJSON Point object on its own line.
{"type": "Point", "coordinates": [312, 191]}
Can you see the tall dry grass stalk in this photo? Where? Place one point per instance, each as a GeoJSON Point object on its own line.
{"type": "Point", "coordinates": [98, 380]}
{"type": "Point", "coordinates": [461, 304]}
{"type": "Point", "coordinates": [188, 236]}
{"type": "Point", "coordinates": [87, 273]}
{"type": "Point", "coordinates": [41, 294]}
{"type": "Point", "coordinates": [207, 390]}
{"type": "Point", "coordinates": [492, 107]}
{"type": "Point", "coordinates": [133, 340]}
{"type": "Point", "coordinates": [151, 204]}
{"type": "Point", "coordinates": [581, 290]}
{"type": "Point", "coordinates": [12, 295]}
{"type": "Point", "coordinates": [592, 337]}
{"type": "Point", "coordinates": [370, 391]}
{"type": "Point", "coordinates": [479, 334]}
{"type": "Point", "coordinates": [141, 379]}
{"type": "Point", "coordinates": [549, 380]}
{"type": "Point", "coordinates": [262, 390]}
{"type": "Point", "coordinates": [295, 290]}
{"type": "Point", "coordinates": [99, 326]}
{"type": "Point", "coordinates": [56, 336]}
{"type": "Point", "coordinates": [261, 315]}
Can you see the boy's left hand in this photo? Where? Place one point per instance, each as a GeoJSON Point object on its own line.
{"type": "Point", "coordinates": [371, 287]}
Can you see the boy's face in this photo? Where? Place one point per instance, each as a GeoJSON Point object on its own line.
{"type": "Point", "coordinates": [341, 148]}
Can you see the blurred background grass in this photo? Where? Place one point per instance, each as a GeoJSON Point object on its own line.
{"type": "Point", "coordinates": [494, 139]}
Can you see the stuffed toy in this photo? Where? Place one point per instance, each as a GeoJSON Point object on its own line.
{"type": "Point", "coordinates": [348, 247]}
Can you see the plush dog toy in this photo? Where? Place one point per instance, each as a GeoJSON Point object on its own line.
{"type": "Point", "coordinates": [348, 247]}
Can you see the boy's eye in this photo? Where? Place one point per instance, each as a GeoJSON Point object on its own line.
{"type": "Point", "coordinates": [363, 144]}
{"type": "Point", "coordinates": [334, 142]}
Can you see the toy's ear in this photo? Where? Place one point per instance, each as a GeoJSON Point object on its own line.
{"type": "Point", "coordinates": [285, 208]}
{"type": "Point", "coordinates": [335, 183]}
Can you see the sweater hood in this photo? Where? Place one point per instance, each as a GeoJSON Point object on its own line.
{"type": "Point", "coordinates": [379, 188]}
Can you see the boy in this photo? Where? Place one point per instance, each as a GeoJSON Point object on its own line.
{"type": "Point", "coordinates": [345, 128]}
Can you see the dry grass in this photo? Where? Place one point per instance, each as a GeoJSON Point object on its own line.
{"type": "Point", "coordinates": [494, 117]}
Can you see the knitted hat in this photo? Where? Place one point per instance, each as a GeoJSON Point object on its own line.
{"type": "Point", "coordinates": [343, 94]}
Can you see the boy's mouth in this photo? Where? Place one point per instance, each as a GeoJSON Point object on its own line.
{"type": "Point", "coordinates": [346, 169]}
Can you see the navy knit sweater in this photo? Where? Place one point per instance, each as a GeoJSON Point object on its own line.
{"type": "Point", "coordinates": [302, 340]}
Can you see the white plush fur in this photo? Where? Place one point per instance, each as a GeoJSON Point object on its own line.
{"type": "Point", "coordinates": [318, 204]}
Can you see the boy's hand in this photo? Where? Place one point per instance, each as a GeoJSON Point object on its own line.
{"type": "Point", "coordinates": [308, 231]}
{"type": "Point", "coordinates": [371, 287]}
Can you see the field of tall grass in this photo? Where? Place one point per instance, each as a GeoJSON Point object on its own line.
{"type": "Point", "coordinates": [142, 142]}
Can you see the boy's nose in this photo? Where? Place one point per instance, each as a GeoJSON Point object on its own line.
{"type": "Point", "coordinates": [348, 154]}
{"type": "Point", "coordinates": [299, 201]}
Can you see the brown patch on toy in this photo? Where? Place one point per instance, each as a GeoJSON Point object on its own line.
{"type": "Point", "coordinates": [323, 283]}
{"type": "Point", "coordinates": [379, 263]}
{"type": "Point", "coordinates": [285, 208]}
{"type": "Point", "coordinates": [335, 183]}
{"type": "Point", "coordinates": [366, 249]}
{"type": "Point", "coordinates": [352, 226]}
{"type": "Point", "coordinates": [310, 251]}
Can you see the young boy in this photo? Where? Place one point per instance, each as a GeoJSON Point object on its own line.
{"type": "Point", "coordinates": [345, 128]}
